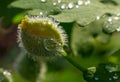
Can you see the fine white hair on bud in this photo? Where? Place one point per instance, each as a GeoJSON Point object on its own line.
{"type": "Point", "coordinates": [41, 37]}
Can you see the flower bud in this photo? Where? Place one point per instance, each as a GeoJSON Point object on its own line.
{"type": "Point", "coordinates": [41, 37]}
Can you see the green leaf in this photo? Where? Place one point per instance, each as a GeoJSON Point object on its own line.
{"type": "Point", "coordinates": [91, 43]}
{"type": "Point", "coordinates": [117, 1]}
{"type": "Point", "coordinates": [35, 6]}
{"type": "Point", "coordinates": [110, 2]}
{"type": "Point", "coordinates": [83, 12]}
{"type": "Point", "coordinates": [82, 15]}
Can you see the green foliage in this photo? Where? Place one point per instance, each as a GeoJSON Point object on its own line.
{"type": "Point", "coordinates": [93, 32]}
{"type": "Point", "coordinates": [35, 7]}
{"type": "Point", "coordinates": [63, 76]}
{"type": "Point", "coordinates": [7, 13]}
{"type": "Point", "coordinates": [83, 14]}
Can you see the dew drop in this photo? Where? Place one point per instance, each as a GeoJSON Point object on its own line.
{"type": "Point", "coordinates": [118, 29]}
{"type": "Point", "coordinates": [63, 6]}
{"type": "Point", "coordinates": [43, 1]}
{"type": "Point", "coordinates": [118, 14]}
{"type": "Point", "coordinates": [77, 6]}
{"type": "Point", "coordinates": [70, 5]}
{"type": "Point", "coordinates": [112, 24]}
{"type": "Point", "coordinates": [6, 73]}
{"type": "Point", "coordinates": [116, 18]}
{"type": "Point", "coordinates": [5, 76]}
{"type": "Point", "coordinates": [110, 20]}
{"type": "Point", "coordinates": [41, 13]}
{"type": "Point", "coordinates": [52, 45]}
{"type": "Point", "coordinates": [115, 76]}
{"type": "Point", "coordinates": [96, 78]}
{"type": "Point", "coordinates": [97, 17]}
{"type": "Point", "coordinates": [59, 1]}
{"type": "Point", "coordinates": [110, 79]}
{"type": "Point", "coordinates": [87, 2]}
{"type": "Point", "coordinates": [80, 2]}
{"type": "Point", "coordinates": [54, 3]}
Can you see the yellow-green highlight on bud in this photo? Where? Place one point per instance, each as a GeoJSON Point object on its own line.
{"type": "Point", "coordinates": [41, 36]}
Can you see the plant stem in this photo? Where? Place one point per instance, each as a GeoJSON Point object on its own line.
{"type": "Point", "coordinates": [70, 60]}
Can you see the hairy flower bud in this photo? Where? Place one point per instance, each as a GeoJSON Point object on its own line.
{"type": "Point", "coordinates": [41, 36]}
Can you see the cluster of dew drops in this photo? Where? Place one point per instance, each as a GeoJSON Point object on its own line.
{"type": "Point", "coordinates": [109, 26]}
{"type": "Point", "coordinates": [112, 24]}
{"type": "Point", "coordinates": [70, 5]}
{"type": "Point", "coordinates": [114, 77]}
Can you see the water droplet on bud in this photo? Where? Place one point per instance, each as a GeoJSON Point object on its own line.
{"type": "Point", "coordinates": [52, 45]}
